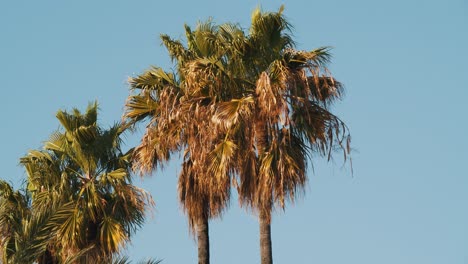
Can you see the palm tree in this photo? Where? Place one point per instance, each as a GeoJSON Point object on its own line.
{"type": "Point", "coordinates": [179, 107]}
{"type": "Point", "coordinates": [278, 118]}
{"type": "Point", "coordinates": [25, 234]}
{"type": "Point", "coordinates": [81, 191]}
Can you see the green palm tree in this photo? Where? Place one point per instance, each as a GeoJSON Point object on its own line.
{"type": "Point", "coordinates": [80, 184]}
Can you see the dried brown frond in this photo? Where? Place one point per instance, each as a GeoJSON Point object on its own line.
{"type": "Point", "coordinates": [227, 113]}
{"type": "Point", "coordinates": [324, 89]}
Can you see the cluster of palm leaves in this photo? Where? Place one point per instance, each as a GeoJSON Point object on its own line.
{"type": "Point", "coordinates": [246, 110]}
{"type": "Point", "coordinates": [79, 205]}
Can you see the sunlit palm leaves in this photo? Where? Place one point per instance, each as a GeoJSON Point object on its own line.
{"type": "Point", "coordinates": [288, 122]}
{"type": "Point", "coordinates": [83, 207]}
{"type": "Point", "coordinates": [289, 119]}
{"type": "Point", "coordinates": [246, 108]}
{"type": "Point", "coordinates": [25, 234]}
{"type": "Point", "coordinates": [180, 118]}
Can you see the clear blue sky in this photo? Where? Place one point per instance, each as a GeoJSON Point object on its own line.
{"type": "Point", "coordinates": [404, 64]}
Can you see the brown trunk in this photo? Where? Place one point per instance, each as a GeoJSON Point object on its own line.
{"type": "Point", "coordinates": [265, 238]}
{"type": "Point", "coordinates": [203, 241]}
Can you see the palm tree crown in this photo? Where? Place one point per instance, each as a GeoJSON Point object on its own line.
{"type": "Point", "coordinates": [81, 183]}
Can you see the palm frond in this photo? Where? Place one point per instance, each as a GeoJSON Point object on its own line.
{"type": "Point", "coordinates": [176, 49]}
{"type": "Point", "coordinates": [140, 106]}
{"type": "Point", "coordinates": [153, 79]}
{"type": "Point", "coordinates": [227, 113]}
{"type": "Point", "coordinates": [112, 235]}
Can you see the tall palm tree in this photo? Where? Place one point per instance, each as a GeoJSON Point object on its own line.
{"type": "Point", "coordinates": [278, 118]}
{"type": "Point", "coordinates": [179, 107]}
{"type": "Point", "coordinates": [81, 183]}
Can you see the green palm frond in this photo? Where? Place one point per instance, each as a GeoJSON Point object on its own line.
{"type": "Point", "coordinates": [140, 106]}
{"type": "Point", "coordinates": [220, 159]}
{"type": "Point", "coordinates": [112, 234]}
{"type": "Point", "coordinates": [72, 121]}
{"type": "Point", "coordinates": [34, 239]}
{"type": "Point", "coordinates": [230, 33]}
{"type": "Point", "coordinates": [203, 41]}
{"type": "Point", "coordinates": [116, 175]}
{"type": "Point", "coordinates": [68, 220]}
{"type": "Point", "coordinates": [270, 31]}
{"type": "Point", "coordinates": [176, 50]}
{"type": "Point", "coordinates": [153, 79]}
{"type": "Point", "coordinates": [24, 236]}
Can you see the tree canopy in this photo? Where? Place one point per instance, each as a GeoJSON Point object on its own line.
{"type": "Point", "coordinates": [79, 204]}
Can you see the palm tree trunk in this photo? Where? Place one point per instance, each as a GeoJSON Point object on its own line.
{"type": "Point", "coordinates": [203, 241]}
{"type": "Point", "coordinates": [265, 237]}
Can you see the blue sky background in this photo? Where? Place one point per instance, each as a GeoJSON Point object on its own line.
{"type": "Point", "coordinates": [404, 64]}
